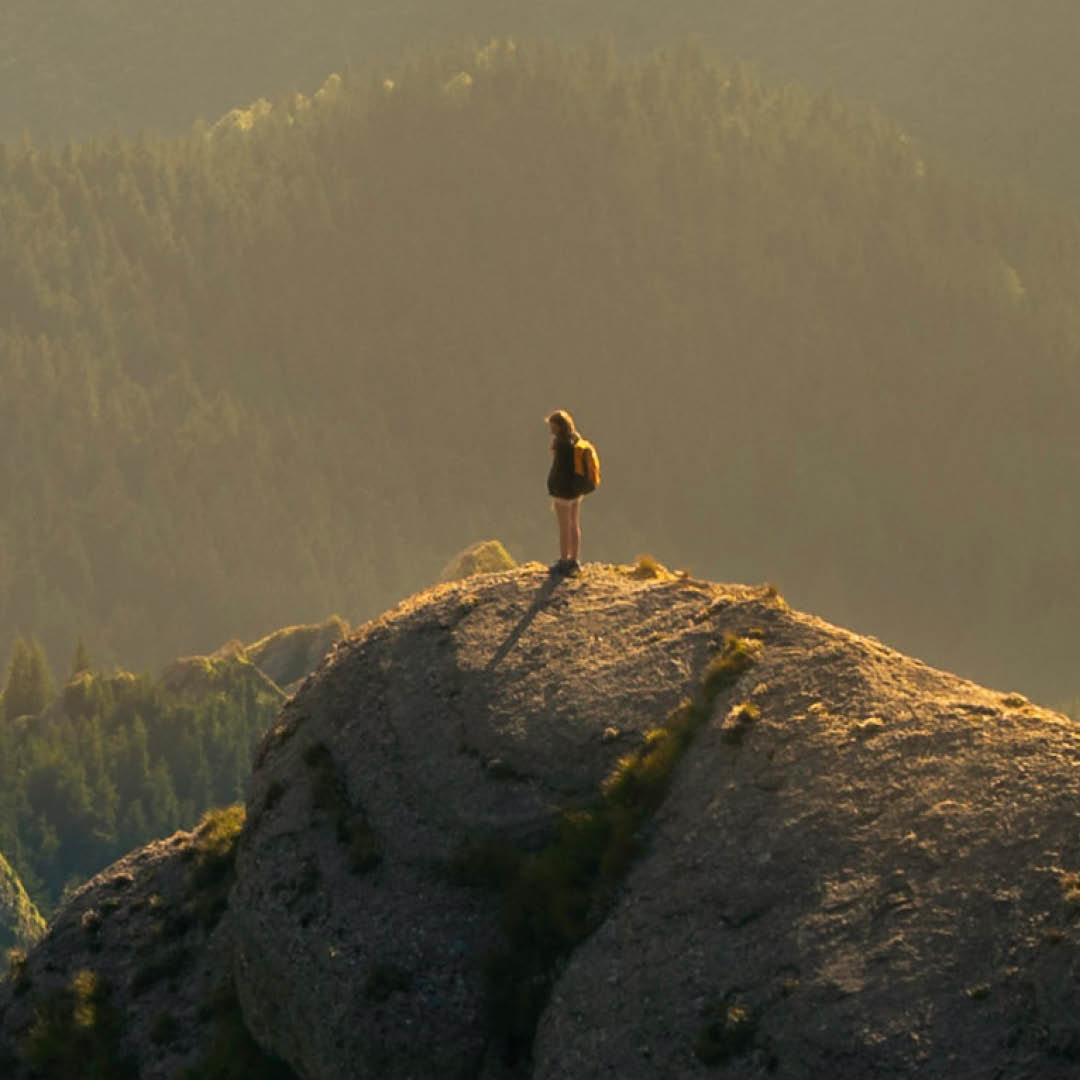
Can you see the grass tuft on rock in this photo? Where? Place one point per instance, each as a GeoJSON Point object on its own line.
{"type": "Point", "coordinates": [738, 722]}
{"type": "Point", "coordinates": [329, 794]}
{"type": "Point", "coordinates": [728, 1031]}
{"type": "Point", "coordinates": [213, 855]}
{"type": "Point", "coordinates": [724, 669]}
{"type": "Point", "coordinates": [76, 1032]}
{"type": "Point", "coordinates": [553, 899]}
{"type": "Point", "coordinates": [18, 970]}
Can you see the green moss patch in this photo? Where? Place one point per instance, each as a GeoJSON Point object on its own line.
{"type": "Point", "coordinates": [728, 1031]}
{"type": "Point", "coordinates": [77, 1032]}
{"type": "Point", "coordinates": [329, 794]}
{"type": "Point", "coordinates": [213, 855]}
{"type": "Point", "coordinates": [553, 899]}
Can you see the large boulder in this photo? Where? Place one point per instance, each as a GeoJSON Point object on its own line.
{"type": "Point", "coordinates": [481, 709]}
{"type": "Point", "coordinates": [133, 978]}
{"type": "Point", "coordinates": [623, 824]}
{"type": "Point", "coordinates": [880, 879]}
{"type": "Point", "coordinates": [862, 867]}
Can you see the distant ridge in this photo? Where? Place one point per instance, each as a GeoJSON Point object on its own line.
{"type": "Point", "coordinates": [987, 80]}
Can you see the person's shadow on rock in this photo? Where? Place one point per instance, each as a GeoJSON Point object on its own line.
{"type": "Point", "coordinates": [543, 595]}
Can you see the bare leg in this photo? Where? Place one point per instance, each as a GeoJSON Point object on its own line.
{"type": "Point", "coordinates": [562, 512]}
{"type": "Point", "coordinates": [573, 548]}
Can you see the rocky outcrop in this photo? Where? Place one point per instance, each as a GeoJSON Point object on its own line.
{"type": "Point", "coordinates": [289, 654]}
{"type": "Point", "coordinates": [880, 879]}
{"type": "Point", "coordinates": [531, 826]}
{"type": "Point", "coordinates": [483, 709]}
{"type": "Point", "coordinates": [274, 665]}
{"type": "Point", "coordinates": [145, 948]}
{"type": "Point", "coordinates": [863, 865]}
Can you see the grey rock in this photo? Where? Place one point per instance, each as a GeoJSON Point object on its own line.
{"type": "Point", "coordinates": [479, 709]}
{"type": "Point", "coordinates": [132, 927]}
{"type": "Point", "coordinates": [892, 903]}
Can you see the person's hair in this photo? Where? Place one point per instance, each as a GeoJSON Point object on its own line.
{"type": "Point", "coordinates": [564, 423]}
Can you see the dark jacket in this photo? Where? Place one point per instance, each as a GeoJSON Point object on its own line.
{"type": "Point", "coordinates": [561, 482]}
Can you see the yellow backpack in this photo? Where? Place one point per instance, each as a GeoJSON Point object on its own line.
{"type": "Point", "coordinates": [586, 467]}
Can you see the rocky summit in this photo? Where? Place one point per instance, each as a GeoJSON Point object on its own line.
{"type": "Point", "coordinates": [624, 824]}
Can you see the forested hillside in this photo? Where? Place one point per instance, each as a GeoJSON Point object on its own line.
{"type": "Point", "coordinates": [114, 761]}
{"type": "Point", "coordinates": [291, 364]}
{"type": "Point", "coordinates": [993, 81]}
{"type": "Point", "coordinates": [20, 922]}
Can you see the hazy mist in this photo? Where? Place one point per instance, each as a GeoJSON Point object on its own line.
{"type": "Point", "coordinates": [289, 363]}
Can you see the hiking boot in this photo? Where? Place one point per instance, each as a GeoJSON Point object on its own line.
{"type": "Point", "coordinates": [571, 567]}
{"type": "Point", "coordinates": [559, 567]}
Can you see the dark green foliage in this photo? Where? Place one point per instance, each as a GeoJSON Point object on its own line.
{"type": "Point", "coordinates": [234, 1054]}
{"type": "Point", "coordinates": [728, 1031]}
{"type": "Point", "coordinates": [76, 1032]}
{"type": "Point", "coordinates": [329, 794]}
{"type": "Point", "coordinates": [116, 762]}
{"type": "Point", "coordinates": [213, 864]}
{"type": "Point", "coordinates": [553, 899]}
{"type": "Point", "coordinates": [21, 923]}
{"type": "Point", "coordinates": [28, 687]}
{"type": "Point", "coordinates": [18, 971]}
{"type": "Point", "coordinates": [80, 662]}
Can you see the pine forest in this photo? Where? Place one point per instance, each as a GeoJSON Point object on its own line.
{"type": "Point", "coordinates": [289, 362]}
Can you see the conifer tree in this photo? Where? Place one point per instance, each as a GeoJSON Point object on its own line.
{"type": "Point", "coordinates": [81, 660]}
{"type": "Point", "coordinates": [27, 688]}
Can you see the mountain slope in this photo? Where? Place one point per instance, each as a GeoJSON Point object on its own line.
{"type": "Point", "coordinates": [851, 836]}
{"type": "Point", "coordinates": [482, 840]}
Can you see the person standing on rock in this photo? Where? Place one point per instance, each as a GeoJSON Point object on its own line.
{"type": "Point", "coordinates": [575, 471]}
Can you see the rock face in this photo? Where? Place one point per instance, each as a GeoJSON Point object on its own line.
{"type": "Point", "coordinates": [860, 867]}
{"type": "Point", "coordinates": [879, 877]}
{"type": "Point", "coordinates": [880, 880]}
{"type": "Point", "coordinates": [287, 655]}
{"type": "Point", "coordinates": [480, 709]}
{"type": "Point", "coordinates": [154, 931]}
